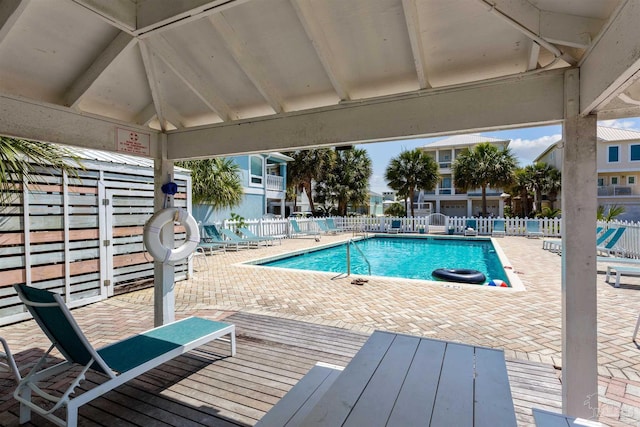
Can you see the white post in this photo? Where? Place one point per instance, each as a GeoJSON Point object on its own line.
{"type": "Point", "coordinates": [579, 305]}
{"type": "Point", "coordinates": [469, 208]}
{"type": "Point", "coordinates": [164, 274]}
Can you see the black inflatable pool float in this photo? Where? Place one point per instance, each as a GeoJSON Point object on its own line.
{"type": "Point", "coordinates": [460, 275]}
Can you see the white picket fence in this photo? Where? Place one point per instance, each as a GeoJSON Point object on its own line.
{"type": "Point", "coordinates": [629, 243]}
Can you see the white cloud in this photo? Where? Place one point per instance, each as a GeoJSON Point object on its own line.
{"type": "Point", "coordinates": [377, 183]}
{"type": "Point", "coordinates": [526, 150]}
{"type": "Point", "coordinates": [618, 123]}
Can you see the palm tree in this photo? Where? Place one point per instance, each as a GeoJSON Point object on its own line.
{"type": "Point", "coordinates": [541, 178]}
{"type": "Point", "coordinates": [553, 185]}
{"type": "Point", "coordinates": [215, 182]}
{"type": "Point", "coordinates": [307, 166]}
{"type": "Point", "coordinates": [18, 158]}
{"type": "Point", "coordinates": [484, 165]}
{"type": "Point", "coordinates": [347, 182]}
{"type": "Point", "coordinates": [412, 171]}
{"type": "Point", "coordinates": [611, 213]}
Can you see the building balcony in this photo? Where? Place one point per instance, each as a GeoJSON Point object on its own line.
{"type": "Point", "coordinates": [275, 183]}
{"type": "Point", "coordinates": [614, 190]}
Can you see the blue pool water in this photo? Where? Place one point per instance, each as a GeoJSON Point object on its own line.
{"type": "Point", "coordinates": [405, 257]}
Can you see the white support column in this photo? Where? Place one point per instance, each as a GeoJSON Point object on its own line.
{"type": "Point", "coordinates": [437, 206]}
{"type": "Point", "coordinates": [579, 308]}
{"type": "Point", "coordinates": [469, 208]}
{"type": "Point", "coordinates": [164, 274]}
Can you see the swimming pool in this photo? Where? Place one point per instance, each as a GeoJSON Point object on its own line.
{"type": "Point", "coordinates": [402, 257]}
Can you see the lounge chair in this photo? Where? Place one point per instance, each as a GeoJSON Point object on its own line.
{"type": "Point", "coordinates": [533, 229]}
{"type": "Point", "coordinates": [471, 227]}
{"type": "Point", "coordinates": [555, 245]}
{"type": "Point", "coordinates": [270, 240]}
{"type": "Point", "coordinates": [609, 247]}
{"type": "Point", "coordinates": [324, 227]}
{"type": "Point", "coordinates": [119, 362]}
{"type": "Point", "coordinates": [332, 225]}
{"type": "Point", "coordinates": [396, 226]}
{"type": "Point", "coordinates": [233, 237]}
{"type": "Point", "coordinates": [498, 228]}
{"type": "Point", "coordinates": [295, 230]}
{"type": "Point", "coordinates": [213, 237]}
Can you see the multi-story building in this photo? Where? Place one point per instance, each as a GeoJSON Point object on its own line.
{"type": "Point", "coordinates": [618, 166]}
{"type": "Point", "coordinates": [263, 178]}
{"type": "Point", "coordinates": [446, 198]}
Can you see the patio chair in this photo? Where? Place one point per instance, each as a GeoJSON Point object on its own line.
{"type": "Point", "coordinates": [295, 230]}
{"type": "Point", "coordinates": [396, 226]}
{"type": "Point", "coordinates": [214, 237]}
{"type": "Point", "coordinates": [233, 237]}
{"type": "Point", "coordinates": [533, 229]}
{"type": "Point", "coordinates": [332, 225]}
{"type": "Point", "coordinates": [269, 240]}
{"type": "Point", "coordinates": [555, 245]}
{"type": "Point", "coordinates": [498, 228]}
{"type": "Point", "coordinates": [610, 247]}
{"type": "Point", "coordinates": [118, 362]}
{"type": "Point", "coordinates": [471, 227]}
{"type": "Point", "coordinates": [324, 227]}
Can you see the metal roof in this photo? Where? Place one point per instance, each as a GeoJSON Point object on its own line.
{"type": "Point", "coordinates": [465, 140]}
{"type": "Point", "coordinates": [609, 134]}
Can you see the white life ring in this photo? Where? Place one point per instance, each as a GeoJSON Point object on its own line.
{"type": "Point", "coordinates": [151, 235]}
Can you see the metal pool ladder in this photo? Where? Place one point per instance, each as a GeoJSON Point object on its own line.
{"type": "Point", "coordinates": [352, 243]}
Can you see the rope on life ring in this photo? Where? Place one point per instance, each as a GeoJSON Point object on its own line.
{"type": "Point", "coordinates": [153, 227]}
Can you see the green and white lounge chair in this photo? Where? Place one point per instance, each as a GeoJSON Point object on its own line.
{"type": "Point", "coordinates": [533, 229]}
{"type": "Point", "coordinates": [332, 225]}
{"type": "Point", "coordinates": [498, 228]}
{"type": "Point", "coordinates": [555, 245]}
{"type": "Point", "coordinates": [118, 362]}
{"type": "Point", "coordinates": [471, 228]}
{"type": "Point", "coordinates": [610, 247]}
{"type": "Point", "coordinates": [324, 227]}
{"type": "Point", "coordinates": [295, 230]}
{"type": "Point", "coordinates": [233, 237]}
{"type": "Point", "coordinates": [214, 236]}
{"type": "Point", "coordinates": [270, 240]}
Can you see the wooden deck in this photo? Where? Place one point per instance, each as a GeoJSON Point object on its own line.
{"type": "Point", "coordinates": [206, 388]}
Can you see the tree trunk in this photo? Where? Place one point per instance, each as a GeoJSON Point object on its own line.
{"type": "Point", "coordinates": [411, 202]}
{"type": "Point", "coordinates": [484, 201]}
{"type": "Point", "coordinates": [307, 189]}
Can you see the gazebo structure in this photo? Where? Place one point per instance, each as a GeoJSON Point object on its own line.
{"type": "Point", "coordinates": [185, 79]}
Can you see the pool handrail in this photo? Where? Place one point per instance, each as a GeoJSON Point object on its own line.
{"type": "Point", "coordinates": [352, 243]}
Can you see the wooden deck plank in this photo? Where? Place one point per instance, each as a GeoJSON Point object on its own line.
{"type": "Point", "coordinates": [207, 388]}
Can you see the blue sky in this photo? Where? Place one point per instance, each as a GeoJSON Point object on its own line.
{"type": "Point", "coordinates": [526, 144]}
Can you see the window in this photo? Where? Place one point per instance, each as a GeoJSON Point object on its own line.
{"type": "Point", "coordinates": [614, 154]}
{"type": "Point", "coordinates": [631, 180]}
{"type": "Point", "coordinates": [255, 166]}
{"type": "Point", "coordinates": [614, 180]}
{"type": "Point", "coordinates": [634, 152]}
{"type": "Point", "coordinates": [600, 182]}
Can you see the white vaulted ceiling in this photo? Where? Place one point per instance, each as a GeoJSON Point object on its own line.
{"type": "Point", "coordinates": [173, 65]}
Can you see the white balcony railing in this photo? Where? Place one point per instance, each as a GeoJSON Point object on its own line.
{"type": "Point", "coordinates": [275, 182]}
{"type": "Point", "coordinates": [615, 190]}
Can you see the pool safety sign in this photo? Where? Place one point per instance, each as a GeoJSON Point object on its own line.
{"type": "Point", "coordinates": [132, 142]}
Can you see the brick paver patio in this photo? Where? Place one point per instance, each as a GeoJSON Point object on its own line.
{"type": "Point", "coordinates": [527, 325]}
